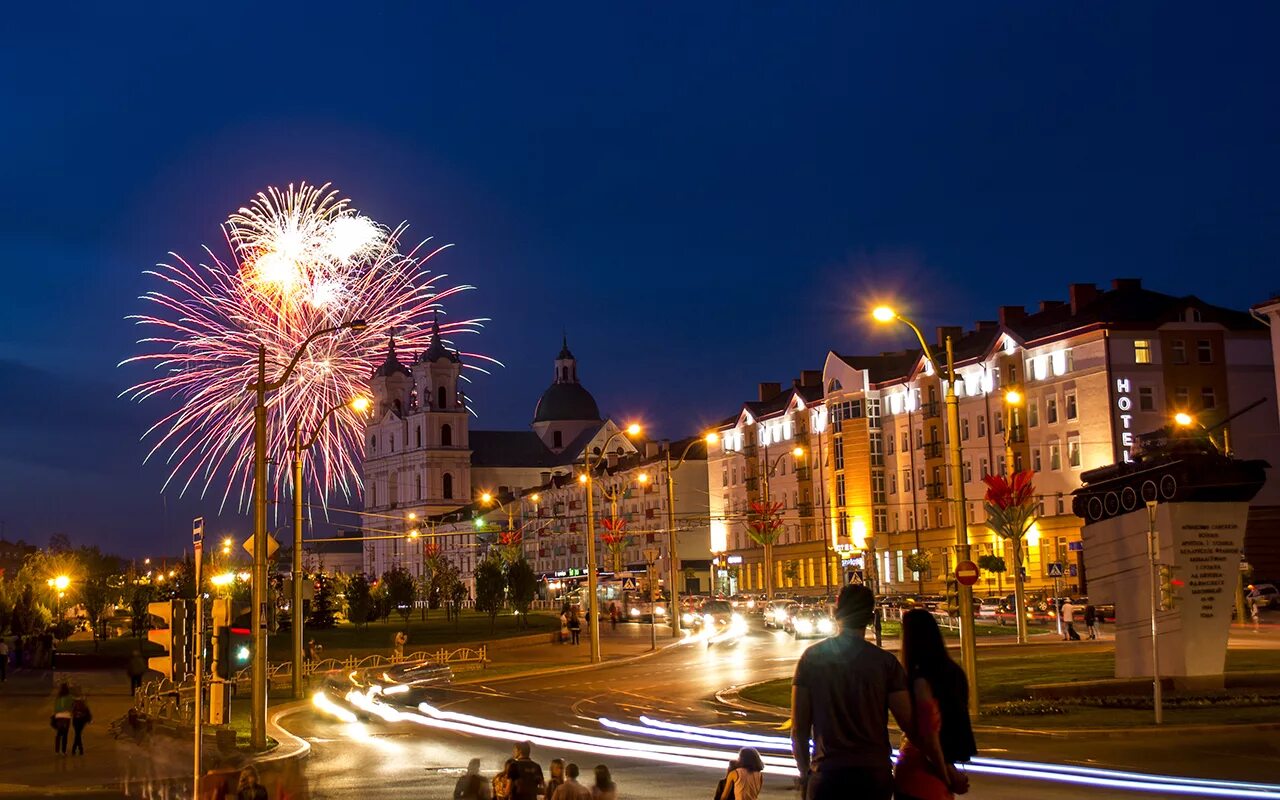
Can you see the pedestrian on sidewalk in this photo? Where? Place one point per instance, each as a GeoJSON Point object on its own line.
{"type": "Point", "coordinates": [720, 792]}
{"type": "Point", "coordinates": [525, 774]}
{"type": "Point", "coordinates": [502, 783]}
{"type": "Point", "coordinates": [80, 716]}
{"type": "Point", "coordinates": [1091, 620]}
{"type": "Point", "coordinates": [250, 785]}
{"type": "Point", "coordinates": [61, 719]}
{"type": "Point", "coordinates": [554, 782]}
{"type": "Point", "coordinates": [941, 734]}
{"type": "Point", "coordinates": [747, 779]}
{"type": "Point", "coordinates": [1068, 620]}
{"type": "Point", "coordinates": [575, 626]}
{"type": "Point", "coordinates": [398, 643]}
{"type": "Point", "coordinates": [571, 789]}
{"type": "Point", "coordinates": [564, 624]}
{"type": "Point", "coordinates": [604, 788]}
{"type": "Point", "coordinates": [137, 668]}
{"type": "Point", "coordinates": [613, 616]}
{"type": "Point", "coordinates": [842, 693]}
{"type": "Point", "coordinates": [1255, 604]}
{"type": "Point", "coordinates": [472, 786]}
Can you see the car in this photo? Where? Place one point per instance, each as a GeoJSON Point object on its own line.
{"type": "Point", "coordinates": [991, 607]}
{"type": "Point", "coordinates": [1266, 595]}
{"type": "Point", "coordinates": [811, 621]}
{"type": "Point", "coordinates": [776, 612]}
{"type": "Point", "coordinates": [717, 616]}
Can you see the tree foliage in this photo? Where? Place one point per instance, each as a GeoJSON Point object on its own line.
{"type": "Point", "coordinates": [522, 585]}
{"type": "Point", "coordinates": [322, 604]}
{"type": "Point", "coordinates": [360, 605]}
{"type": "Point", "coordinates": [991, 563]}
{"type": "Point", "coordinates": [400, 590]}
{"type": "Point", "coordinates": [491, 588]}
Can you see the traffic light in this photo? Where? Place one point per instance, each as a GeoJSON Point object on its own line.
{"type": "Point", "coordinates": [953, 597]}
{"type": "Point", "coordinates": [219, 697]}
{"type": "Point", "coordinates": [1169, 587]}
{"type": "Point", "coordinates": [171, 638]}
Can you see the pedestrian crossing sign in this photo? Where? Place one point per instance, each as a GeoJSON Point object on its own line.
{"type": "Point", "coordinates": [1055, 569]}
{"type": "Point", "coordinates": [628, 582]}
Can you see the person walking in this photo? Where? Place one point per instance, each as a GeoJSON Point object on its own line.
{"type": "Point", "coordinates": [604, 787]}
{"type": "Point", "coordinates": [841, 696]}
{"type": "Point", "coordinates": [1068, 620]}
{"type": "Point", "coordinates": [61, 719]}
{"type": "Point", "coordinates": [525, 773]}
{"type": "Point", "coordinates": [564, 625]}
{"type": "Point", "coordinates": [472, 786]}
{"type": "Point", "coordinates": [137, 668]}
{"type": "Point", "coordinates": [557, 776]}
{"type": "Point", "coordinates": [747, 779]}
{"type": "Point", "coordinates": [571, 789]}
{"type": "Point", "coordinates": [575, 627]}
{"type": "Point", "coordinates": [1255, 605]}
{"type": "Point", "coordinates": [80, 716]}
{"type": "Point", "coordinates": [940, 734]}
{"type": "Point", "coordinates": [397, 645]}
{"type": "Point", "coordinates": [1091, 620]}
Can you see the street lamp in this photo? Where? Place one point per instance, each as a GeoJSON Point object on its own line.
{"type": "Point", "coordinates": [260, 387]}
{"type": "Point", "coordinates": [673, 567]}
{"type": "Point", "coordinates": [358, 405]}
{"type": "Point", "coordinates": [1013, 398]}
{"type": "Point", "coordinates": [968, 644]}
{"type": "Point", "coordinates": [586, 479]}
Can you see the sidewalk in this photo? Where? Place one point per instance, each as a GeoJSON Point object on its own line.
{"type": "Point", "coordinates": [28, 765]}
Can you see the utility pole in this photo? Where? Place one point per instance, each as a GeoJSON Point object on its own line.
{"type": "Point", "coordinates": [651, 558]}
{"type": "Point", "coordinates": [197, 539]}
{"type": "Point", "coordinates": [1153, 554]}
{"type": "Point", "coordinates": [297, 561]}
{"type": "Point", "coordinates": [968, 642]}
{"type": "Point", "coordinates": [258, 694]}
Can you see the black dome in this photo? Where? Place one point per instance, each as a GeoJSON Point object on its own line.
{"type": "Point", "coordinates": [566, 401]}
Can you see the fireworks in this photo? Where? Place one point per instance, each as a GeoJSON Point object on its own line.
{"type": "Point", "coordinates": [300, 260]}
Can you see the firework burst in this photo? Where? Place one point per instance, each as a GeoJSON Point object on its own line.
{"type": "Point", "coordinates": [300, 260]}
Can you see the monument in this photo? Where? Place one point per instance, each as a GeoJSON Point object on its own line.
{"type": "Point", "coordinates": [1163, 533]}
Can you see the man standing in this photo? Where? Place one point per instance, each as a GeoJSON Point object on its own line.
{"type": "Point", "coordinates": [571, 789]}
{"type": "Point", "coordinates": [1068, 617]}
{"type": "Point", "coordinates": [841, 695]}
{"type": "Point", "coordinates": [525, 774]}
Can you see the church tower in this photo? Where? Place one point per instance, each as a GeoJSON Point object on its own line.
{"type": "Point", "coordinates": [566, 408]}
{"type": "Point", "coordinates": [391, 384]}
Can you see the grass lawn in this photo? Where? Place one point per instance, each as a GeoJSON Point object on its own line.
{"type": "Point", "coordinates": [892, 629]}
{"type": "Point", "coordinates": [122, 647]}
{"type": "Point", "coordinates": [436, 632]}
{"type": "Point", "coordinates": [1003, 675]}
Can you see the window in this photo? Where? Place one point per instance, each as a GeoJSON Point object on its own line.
{"type": "Point", "coordinates": [1062, 504]}
{"type": "Point", "coordinates": [968, 471]}
{"type": "Point", "coordinates": [1000, 466]}
{"type": "Point", "coordinates": [911, 521]}
{"type": "Point", "coordinates": [734, 478]}
{"type": "Point", "coordinates": [919, 438]}
{"type": "Point", "coordinates": [880, 520]}
{"type": "Point", "coordinates": [986, 470]}
{"type": "Point", "coordinates": [373, 444]}
{"type": "Point", "coordinates": [889, 444]}
{"type": "Point", "coordinates": [964, 429]}
{"type": "Point", "coordinates": [920, 479]}
{"type": "Point", "coordinates": [1036, 464]}
{"type": "Point", "coordinates": [1207, 398]}
{"type": "Point", "coordinates": [877, 488]}
{"type": "Point", "coordinates": [1146, 398]}
{"type": "Point", "coordinates": [937, 515]}
{"type": "Point", "coordinates": [1204, 351]}
{"type": "Point", "coordinates": [1072, 411]}
{"type": "Point", "coordinates": [906, 480]}
{"type": "Point", "coordinates": [893, 483]}
{"type": "Point", "coordinates": [391, 442]}
{"type": "Point", "coordinates": [447, 486]}
{"type": "Point", "coordinates": [1182, 397]}
{"type": "Point", "coordinates": [557, 440]}
{"type": "Point", "coordinates": [1142, 351]}
{"type": "Point", "coordinates": [440, 397]}
{"type": "Point", "coordinates": [417, 485]}
{"type": "Point", "coordinates": [1051, 409]}
{"type": "Point", "coordinates": [1073, 451]}
{"type": "Point", "coordinates": [1055, 456]}
{"type": "Point", "coordinates": [446, 435]}
{"type": "Point", "coordinates": [724, 477]}
{"type": "Point", "coordinates": [906, 441]}
{"type": "Point", "coordinates": [877, 450]}
{"type": "Point", "coordinates": [839, 452]}
{"type": "Point", "coordinates": [999, 418]}
{"type": "Point", "coordinates": [840, 491]}
{"type": "Point", "coordinates": [1179, 351]}
{"type": "Point", "coordinates": [417, 433]}
{"type": "Point", "coordinates": [982, 426]}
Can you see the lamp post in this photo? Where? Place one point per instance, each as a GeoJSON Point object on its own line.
{"type": "Point", "coordinates": [673, 567]}
{"type": "Point", "coordinates": [587, 479]}
{"type": "Point", "coordinates": [968, 644]}
{"type": "Point", "coordinates": [260, 387]}
{"type": "Point", "coordinates": [1013, 399]}
{"type": "Point", "coordinates": [767, 535]}
{"type": "Point", "coordinates": [357, 404]}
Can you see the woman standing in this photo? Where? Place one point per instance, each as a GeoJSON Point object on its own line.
{"type": "Point", "coordinates": [575, 626]}
{"type": "Point", "coordinates": [80, 716]}
{"type": "Point", "coordinates": [941, 734]}
{"type": "Point", "coordinates": [604, 788]}
{"type": "Point", "coordinates": [61, 720]}
{"type": "Point", "coordinates": [746, 781]}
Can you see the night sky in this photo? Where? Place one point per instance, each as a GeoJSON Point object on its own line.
{"type": "Point", "coordinates": [703, 195]}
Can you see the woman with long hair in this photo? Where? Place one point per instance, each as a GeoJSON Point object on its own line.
{"type": "Point", "coordinates": [747, 779]}
{"type": "Point", "coordinates": [941, 734]}
{"type": "Point", "coordinates": [604, 788]}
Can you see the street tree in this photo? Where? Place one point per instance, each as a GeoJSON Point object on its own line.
{"type": "Point", "coordinates": [322, 604]}
{"type": "Point", "coordinates": [400, 590]}
{"type": "Point", "coordinates": [491, 588]}
{"type": "Point", "coordinates": [139, 597]}
{"type": "Point", "coordinates": [522, 585]}
{"type": "Point", "coordinates": [920, 563]}
{"type": "Point", "coordinates": [995, 565]}
{"type": "Point", "coordinates": [359, 594]}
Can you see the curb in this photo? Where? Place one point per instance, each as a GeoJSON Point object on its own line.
{"type": "Point", "coordinates": [566, 669]}
{"type": "Point", "coordinates": [299, 748]}
{"type": "Point", "coordinates": [730, 697]}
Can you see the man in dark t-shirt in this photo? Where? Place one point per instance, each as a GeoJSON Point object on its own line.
{"type": "Point", "coordinates": [525, 774]}
{"type": "Point", "coordinates": [841, 694]}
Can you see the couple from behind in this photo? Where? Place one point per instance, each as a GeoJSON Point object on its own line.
{"type": "Point", "coordinates": [845, 687]}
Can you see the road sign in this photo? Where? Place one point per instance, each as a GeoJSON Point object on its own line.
{"type": "Point", "coordinates": [272, 546]}
{"type": "Point", "coordinates": [197, 531]}
{"type": "Point", "coordinates": [1075, 547]}
{"type": "Point", "coordinates": [628, 583]}
{"type": "Point", "coordinates": [1072, 570]}
{"type": "Point", "coordinates": [1055, 569]}
{"type": "Point", "coordinates": [855, 576]}
{"type": "Point", "coordinates": [651, 555]}
{"type": "Point", "coordinates": [967, 573]}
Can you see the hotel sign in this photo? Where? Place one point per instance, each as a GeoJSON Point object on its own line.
{"type": "Point", "coordinates": [1124, 405]}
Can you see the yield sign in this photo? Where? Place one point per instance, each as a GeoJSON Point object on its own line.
{"type": "Point", "coordinates": [272, 546]}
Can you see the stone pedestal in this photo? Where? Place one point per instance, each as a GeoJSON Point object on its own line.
{"type": "Point", "coordinates": [1202, 541]}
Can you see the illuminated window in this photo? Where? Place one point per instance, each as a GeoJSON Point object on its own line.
{"type": "Point", "coordinates": [1073, 451]}
{"type": "Point", "coordinates": [1033, 413]}
{"type": "Point", "coordinates": [1072, 411]}
{"type": "Point", "coordinates": [839, 452]}
{"type": "Point", "coordinates": [964, 429]}
{"type": "Point", "coordinates": [840, 491]}
{"type": "Point", "coordinates": [1051, 409]}
{"type": "Point", "coordinates": [1142, 351]}
{"type": "Point", "coordinates": [1055, 456]}
{"type": "Point", "coordinates": [877, 488]}
{"type": "Point", "coordinates": [982, 426]}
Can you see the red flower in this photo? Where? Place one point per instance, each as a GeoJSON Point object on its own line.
{"type": "Point", "coordinates": [1006, 494]}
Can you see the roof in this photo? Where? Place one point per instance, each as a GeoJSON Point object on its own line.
{"type": "Point", "coordinates": [885, 366]}
{"type": "Point", "coordinates": [566, 401]}
{"type": "Point", "coordinates": [437, 351]}
{"type": "Point", "coordinates": [510, 449]}
{"type": "Point", "coordinates": [391, 365]}
{"type": "Point", "coordinates": [564, 349]}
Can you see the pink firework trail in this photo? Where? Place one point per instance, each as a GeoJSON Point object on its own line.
{"type": "Point", "coordinates": [300, 260]}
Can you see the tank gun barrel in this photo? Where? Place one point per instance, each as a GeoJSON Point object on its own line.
{"type": "Point", "coordinates": [1249, 407]}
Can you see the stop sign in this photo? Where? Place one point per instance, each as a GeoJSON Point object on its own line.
{"type": "Point", "coordinates": [967, 573]}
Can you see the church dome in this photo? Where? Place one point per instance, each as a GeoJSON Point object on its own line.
{"type": "Point", "coordinates": [566, 401]}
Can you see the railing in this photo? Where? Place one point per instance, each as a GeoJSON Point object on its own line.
{"type": "Point", "coordinates": [933, 450]}
{"type": "Point", "coordinates": [944, 619]}
{"type": "Point", "coordinates": [930, 410]}
{"type": "Point", "coordinates": [934, 491]}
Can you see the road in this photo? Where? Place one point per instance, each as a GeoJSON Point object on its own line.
{"type": "Point", "coordinates": [381, 759]}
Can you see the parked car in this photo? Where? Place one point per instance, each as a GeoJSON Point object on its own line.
{"type": "Point", "coordinates": [991, 607]}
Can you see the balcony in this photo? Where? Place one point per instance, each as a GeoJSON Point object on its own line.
{"type": "Point", "coordinates": [1017, 434]}
{"type": "Point", "coordinates": [931, 410]}
{"type": "Point", "coordinates": [803, 473]}
{"type": "Point", "coordinates": [935, 491]}
{"type": "Point", "coordinates": [933, 450]}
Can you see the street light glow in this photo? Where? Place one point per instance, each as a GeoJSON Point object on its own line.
{"type": "Point", "coordinates": [798, 452]}
{"type": "Point", "coordinates": [535, 497]}
{"type": "Point", "coordinates": [413, 534]}
{"type": "Point", "coordinates": [884, 314]}
{"type": "Point", "coordinates": [486, 498]}
{"type": "Point", "coordinates": [1184, 419]}
{"type": "Point", "coordinates": [633, 429]}
{"type": "Point", "coordinates": [582, 478]}
{"type": "Point", "coordinates": [1013, 397]}
{"type": "Point", "coordinates": [712, 437]}
{"type": "Point", "coordinates": [643, 477]}
{"type": "Point", "coordinates": [360, 404]}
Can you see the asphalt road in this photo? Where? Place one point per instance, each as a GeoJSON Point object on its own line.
{"type": "Point", "coordinates": [380, 759]}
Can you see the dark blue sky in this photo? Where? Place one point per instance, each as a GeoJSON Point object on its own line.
{"type": "Point", "coordinates": [704, 198]}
